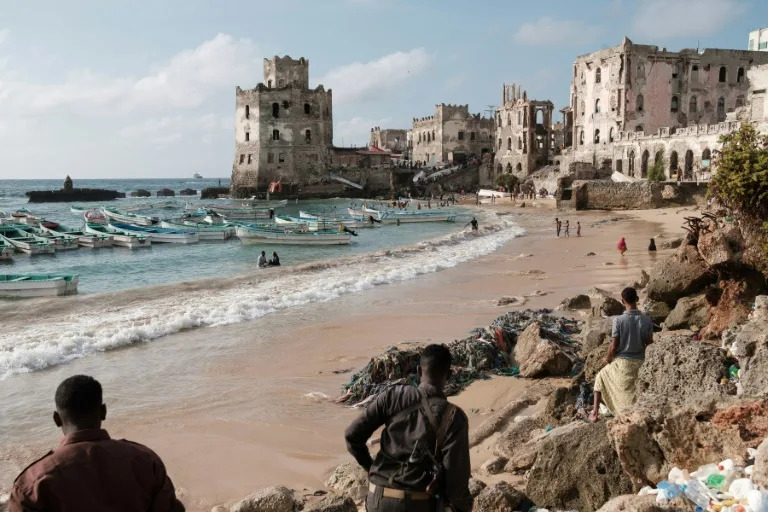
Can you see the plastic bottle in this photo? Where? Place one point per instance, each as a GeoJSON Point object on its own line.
{"type": "Point", "coordinates": [757, 501]}
{"type": "Point", "coordinates": [740, 487]}
{"type": "Point", "coordinates": [696, 492]}
{"type": "Point", "coordinates": [715, 480]}
{"type": "Point", "coordinates": [671, 490]}
{"type": "Point", "coordinates": [704, 471]}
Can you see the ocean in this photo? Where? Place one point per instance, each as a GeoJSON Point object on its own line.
{"type": "Point", "coordinates": [132, 314]}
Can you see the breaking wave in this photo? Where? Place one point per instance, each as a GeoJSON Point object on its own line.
{"type": "Point", "coordinates": [105, 322]}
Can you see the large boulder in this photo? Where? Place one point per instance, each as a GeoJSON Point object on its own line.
{"type": "Point", "coordinates": [493, 466]}
{"type": "Point", "coordinates": [653, 437]}
{"type": "Point", "coordinates": [332, 503]}
{"type": "Point", "coordinates": [596, 336]}
{"type": "Point", "coordinates": [271, 499]}
{"type": "Point", "coordinates": [577, 468]}
{"type": "Point", "coordinates": [681, 274]}
{"type": "Point", "coordinates": [349, 479]}
{"type": "Point", "coordinates": [476, 487]}
{"type": "Point", "coordinates": [580, 301]}
{"type": "Point", "coordinates": [682, 369]}
{"type": "Point", "coordinates": [499, 497]}
{"type": "Point", "coordinates": [538, 356]}
{"type": "Point", "coordinates": [517, 434]}
{"type": "Point", "coordinates": [561, 405]}
{"type": "Point", "coordinates": [715, 248]}
{"type": "Point", "coordinates": [655, 310]}
{"type": "Point", "coordinates": [603, 303]}
{"type": "Point", "coordinates": [688, 312]}
{"type": "Point", "coordinates": [734, 304]}
{"type": "Point", "coordinates": [751, 347]}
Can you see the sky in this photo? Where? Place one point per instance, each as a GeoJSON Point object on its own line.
{"type": "Point", "coordinates": [145, 88]}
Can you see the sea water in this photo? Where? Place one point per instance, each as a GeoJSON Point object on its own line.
{"type": "Point", "coordinates": [131, 315]}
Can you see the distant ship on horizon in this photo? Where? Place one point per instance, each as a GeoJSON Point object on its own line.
{"type": "Point", "coordinates": [197, 176]}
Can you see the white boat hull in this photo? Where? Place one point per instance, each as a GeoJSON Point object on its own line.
{"type": "Point", "coordinates": [32, 249]}
{"type": "Point", "coordinates": [204, 233]}
{"type": "Point", "coordinates": [129, 219]}
{"type": "Point", "coordinates": [250, 236]}
{"type": "Point", "coordinates": [408, 219]}
{"type": "Point", "coordinates": [50, 288]}
{"type": "Point", "coordinates": [161, 238]}
{"type": "Point", "coordinates": [123, 240]}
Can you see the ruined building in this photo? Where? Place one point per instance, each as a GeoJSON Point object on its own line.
{"type": "Point", "coordinates": [633, 105]}
{"type": "Point", "coordinates": [451, 135]}
{"type": "Point", "coordinates": [393, 140]}
{"type": "Point", "coordinates": [283, 129]}
{"type": "Point", "coordinates": [524, 133]}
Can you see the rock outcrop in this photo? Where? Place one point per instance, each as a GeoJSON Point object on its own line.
{"type": "Point", "coordinates": [679, 275]}
{"type": "Point", "coordinates": [271, 499]}
{"type": "Point", "coordinates": [539, 356]}
{"type": "Point", "coordinates": [499, 497]}
{"type": "Point", "coordinates": [576, 468]}
{"type": "Point", "coordinates": [349, 479]}
{"type": "Point", "coordinates": [689, 312]}
{"type": "Point", "coordinates": [655, 310]}
{"type": "Point", "coordinates": [645, 503]}
{"type": "Point", "coordinates": [332, 503]}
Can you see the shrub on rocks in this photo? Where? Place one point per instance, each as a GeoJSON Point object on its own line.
{"type": "Point", "coordinates": [349, 479]}
{"type": "Point", "coordinates": [689, 312]}
{"type": "Point", "coordinates": [499, 497]}
{"type": "Point", "coordinates": [271, 499]}
{"type": "Point", "coordinates": [576, 468]}
{"type": "Point", "coordinates": [679, 275]}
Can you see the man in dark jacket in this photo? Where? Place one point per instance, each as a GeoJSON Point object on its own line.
{"type": "Point", "coordinates": [89, 471]}
{"type": "Point", "coordinates": [421, 427]}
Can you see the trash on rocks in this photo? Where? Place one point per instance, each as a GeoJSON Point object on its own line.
{"type": "Point", "coordinates": [485, 352]}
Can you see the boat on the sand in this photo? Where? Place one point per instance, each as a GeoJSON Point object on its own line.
{"type": "Point", "coordinates": [126, 240]}
{"type": "Point", "coordinates": [158, 235]}
{"type": "Point", "coordinates": [254, 233]}
{"type": "Point", "coordinates": [129, 218]}
{"type": "Point", "coordinates": [37, 285]}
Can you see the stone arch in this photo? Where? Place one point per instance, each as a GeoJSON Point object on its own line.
{"type": "Point", "coordinates": [673, 163]}
{"type": "Point", "coordinates": [631, 162]}
{"type": "Point", "coordinates": [539, 116]}
{"type": "Point", "coordinates": [644, 165]}
{"type": "Point", "coordinates": [688, 172]}
{"type": "Point", "coordinates": [509, 143]}
{"type": "Point", "coordinates": [509, 167]}
{"type": "Point", "coordinates": [706, 158]}
{"type": "Point", "coordinates": [723, 75]}
{"type": "Point", "coordinates": [597, 106]}
{"type": "Point", "coordinates": [499, 168]}
{"type": "Point", "coordinates": [519, 167]}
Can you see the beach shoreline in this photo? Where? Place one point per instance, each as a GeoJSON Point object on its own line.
{"type": "Point", "coordinates": [243, 406]}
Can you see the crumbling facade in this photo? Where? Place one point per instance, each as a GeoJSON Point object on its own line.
{"type": "Point", "coordinates": [389, 139]}
{"type": "Point", "coordinates": [524, 133]}
{"type": "Point", "coordinates": [632, 105]}
{"type": "Point", "coordinates": [451, 135]}
{"type": "Point", "coordinates": [283, 129]}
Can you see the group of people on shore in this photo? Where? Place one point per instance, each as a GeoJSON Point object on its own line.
{"type": "Point", "coordinates": [567, 231]}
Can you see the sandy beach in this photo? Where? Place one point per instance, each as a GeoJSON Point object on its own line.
{"type": "Point", "coordinates": [235, 408]}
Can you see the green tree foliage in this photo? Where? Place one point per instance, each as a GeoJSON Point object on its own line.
{"type": "Point", "coordinates": [656, 172]}
{"type": "Point", "coordinates": [740, 180]}
{"type": "Point", "coordinates": [507, 180]}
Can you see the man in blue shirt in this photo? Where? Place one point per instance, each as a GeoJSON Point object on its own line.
{"type": "Point", "coordinates": [632, 332]}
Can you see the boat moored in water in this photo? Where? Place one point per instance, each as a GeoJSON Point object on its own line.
{"type": "Point", "coordinates": [6, 250]}
{"type": "Point", "coordinates": [26, 242]}
{"type": "Point", "coordinates": [254, 233]}
{"type": "Point", "coordinates": [204, 230]}
{"type": "Point", "coordinates": [158, 235]}
{"type": "Point", "coordinates": [126, 240]}
{"type": "Point", "coordinates": [61, 241]}
{"type": "Point", "coordinates": [37, 285]}
{"type": "Point", "coordinates": [116, 215]}
{"type": "Point", "coordinates": [84, 239]}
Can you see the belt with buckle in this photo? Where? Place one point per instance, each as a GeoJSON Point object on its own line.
{"type": "Point", "coordinates": [399, 494]}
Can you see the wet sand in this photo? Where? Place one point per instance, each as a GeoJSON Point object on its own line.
{"type": "Point", "coordinates": [235, 408]}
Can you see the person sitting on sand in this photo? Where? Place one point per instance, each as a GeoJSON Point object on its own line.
{"type": "Point", "coordinates": [275, 261]}
{"type": "Point", "coordinates": [263, 259]}
{"type": "Point", "coordinates": [652, 245]}
{"type": "Point", "coordinates": [89, 470]}
{"type": "Point", "coordinates": [415, 421]}
{"type": "Point", "coordinates": [631, 333]}
{"type": "Point", "coordinates": [622, 246]}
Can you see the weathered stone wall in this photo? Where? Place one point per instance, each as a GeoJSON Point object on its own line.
{"type": "Point", "coordinates": [608, 195]}
{"type": "Point", "coordinates": [390, 139]}
{"type": "Point", "coordinates": [466, 179]}
{"type": "Point", "coordinates": [450, 132]}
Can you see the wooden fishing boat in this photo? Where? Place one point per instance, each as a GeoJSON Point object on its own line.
{"type": "Point", "coordinates": [254, 233]}
{"type": "Point", "coordinates": [25, 242]}
{"type": "Point", "coordinates": [408, 216]}
{"type": "Point", "coordinates": [204, 230]}
{"type": "Point", "coordinates": [158, 235]}
{"type": "Point", "coordinates": [61, 241]}
{"type": "Point", "coordinates": [349, 221]}
{"type": "Point", "coordinates": [116, 215]}
{"type": "Point", "coordinates": [126, 240]}
{"type": "Point", "coordinates": [77, 209]}
{"type": "Point", "coordinates": [37, 285]}
{"type": "Point", "coordinates": [6, 250]}
{"type": "Point", "coordinates": [84, 239]}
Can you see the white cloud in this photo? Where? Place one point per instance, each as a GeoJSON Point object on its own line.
{"type": "Point", "coordinates": [167, 129]}
{"type": "Point", "coordinates": [359, 81]}
{"type": "Point", "coordinates": [667, 19]}
{"type": "Point", "coordinates": [547, 31]}
{"type": "Point", "coordinates": [356, 130]}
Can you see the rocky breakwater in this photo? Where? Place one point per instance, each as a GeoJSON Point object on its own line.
{"type": "Point", "coordinates": [69, 194]}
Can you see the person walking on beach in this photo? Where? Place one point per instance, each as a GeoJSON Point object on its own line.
{"type": "Point", "coordinates": [622, 246]}
{"type": "Point", "coordinates": [567, 229]}
{"type": "Point", "coordinates": [421, 431]}
{"type": "Point", "coordinates": [578, 228]}
{"type": "Point", "coordinates": [631, 333]}
{"type": "Point", "coordinates": [89, 470]}
{"type": "Point", "coordinates": [557, 226]}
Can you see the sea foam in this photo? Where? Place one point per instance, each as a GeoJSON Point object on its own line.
{"type": "Point", "coordinates": [60, 338]}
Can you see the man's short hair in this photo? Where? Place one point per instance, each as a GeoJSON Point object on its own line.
{"type": "Point", "coordinates": [437, 359]}
{"type": "Point", "coordinates": [629, 295]}
{"type": "Point", "coordinates": [78, 396]}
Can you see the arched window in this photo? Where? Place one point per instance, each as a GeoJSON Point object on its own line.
{"type": "Point", "coordinates": [676, 71]}
{"type": "Point", "coordinates": [631, 163]}
{"type": "Point", "coordinates": [688, 173]}
{"type": "Point", "coordinates": [692, 107]}
{"type": "Point", "coordinates": [673, 164]}
{"type": "Point", "coordinates": [639, 103]}
{"type": "Point", "coordinates": [429, 139]}
{"type": "Point", "coordinates": [275, 134]}
{"type": "Point", "coordinates": [639, 128]}
{"type": "Point", "coordinates": [419, 141]}
{"type": "Point", "coordinates": [706, 158]}
{"type": "Point", "coordinates": [598, 76]}
{"type": "Point", "coordinates": [581, 138]}
{"type": "Point", "coordinates": [583, 107]}
{"type": "Point", "coordinates": [740, 75]}
{"type": "Point", "coordinates": [674, 106]}
{"type": "Point", "coordinates": [247, 136]}
{"type": "Point", "coordinates": [597, 136]}
{"type": "Point", "coordinates": [509, 119]}
{"type": "Point", "coordinates": [519, 142]}
{"type": "Point", "coordinates": [275, 109]}
{"type": "Point", "coordinates": [610, 134]}
{"type": "Point", "coordinates": [644, 165]}
{"type": "Point", "coordinates": [499, 168]}
{"type": "Point", "coordinates": [721, 110]}
{"type": "Point", "coordinates": [307, 108]}
{"type": "Point", "coordinates": [433, 134]}
{"type": "Point", "coordinates": [308, 136]}
{"type": "Point", "coordinates": [499, 142]}
{"type": "Point", "coordinates": [659, 157]}
{"type": "Point", "coordinates": [499, 118]}
{"type": "Point", "coordinates": [723, 74]}
{"type": "Point", "coordinates": [509, 143]}
{"type": "Point", "coordinates": [519, 167]}
{"type": "Point", "coordinates": [247, 111]}
{"type": "Point", "coordinates": [597, 106]}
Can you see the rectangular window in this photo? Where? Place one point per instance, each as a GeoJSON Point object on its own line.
{"type": "Point", "coordinates": [764, 45]}
{"type": "Point", "coordinates": [281, 157]}
{"type": "Point", "coordinates": [242, 158]}
{"type": "Point", "coordinates": [471, 135]}
{"type": "Point", "coordinates": [247, 136]}
{"type": "Point", "coordinates": [461, 135]}
{"type": "Point", "coordinates": [249, 159]}
{"type": "Point", "coordinates": [270, 158]}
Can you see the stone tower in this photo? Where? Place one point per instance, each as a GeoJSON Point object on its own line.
{"type": "Point", "coordinates": [283, 129]}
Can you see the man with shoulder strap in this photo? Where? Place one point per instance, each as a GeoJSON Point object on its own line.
{"type": "Point", "coordinates": [423, 460]}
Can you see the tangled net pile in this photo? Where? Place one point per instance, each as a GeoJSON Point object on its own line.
{"type": "Point", "coordinates": [484, 352]}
